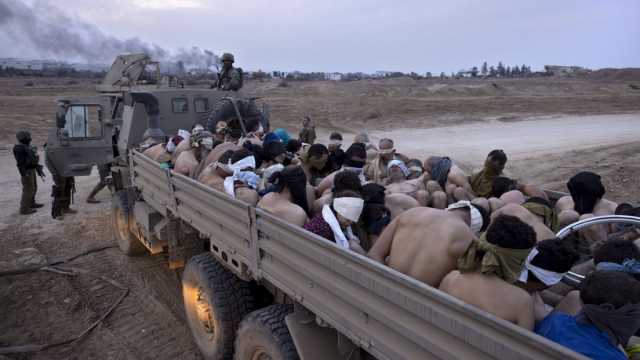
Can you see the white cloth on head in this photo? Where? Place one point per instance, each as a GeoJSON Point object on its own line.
{"type": "Point", "coordinates": [170, 147]}
{"type": "Point", "coordinates": [237, 168]}
{"type": "Point", "coordinates": [547, 277]}
{"type": "Point", "coordinates": [474, 214]}
{"type": "Point", "coordinates": [341, 239]}
{"type": "Point", "coordinates": [268, 172]}
{"type": "Point", "coordinates": [349, 207]}
{"type": "Point", "coordinates": [184, 134]}
{"type": "Point", "coordinates": [400, 164]}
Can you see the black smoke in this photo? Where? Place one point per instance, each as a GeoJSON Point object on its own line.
{"type": "Point", "coordinates": [53, 34]}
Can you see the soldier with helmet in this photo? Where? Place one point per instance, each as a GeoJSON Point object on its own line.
{"type": "Point", "coordinates": [27, 161]}
{"type": "Point", "coordinates": [229, 78]}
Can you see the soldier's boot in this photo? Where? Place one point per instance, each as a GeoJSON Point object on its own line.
{"type": "Point", "coordinates": [36, 205]}
{"type": "Point", "coordinates": [28, 211]}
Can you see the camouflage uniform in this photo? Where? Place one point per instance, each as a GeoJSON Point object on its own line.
{"type": "Point", "coordinates": [229, 78]}
{"type": "Point", "coordinates": [27, 161]}
{"type": "Point", "coordinates": [61, 191]}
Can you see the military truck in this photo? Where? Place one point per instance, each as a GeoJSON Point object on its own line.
{"type": "Point", "coordinates": [254, 286]}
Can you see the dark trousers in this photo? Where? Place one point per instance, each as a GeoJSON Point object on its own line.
{"type": "Point", "coordinates": [29, 189]}
{"type": "Point", "coordinates": [62, 191]}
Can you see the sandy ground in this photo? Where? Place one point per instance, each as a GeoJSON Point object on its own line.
{"type": "Point", "coordinates": [547, 127]}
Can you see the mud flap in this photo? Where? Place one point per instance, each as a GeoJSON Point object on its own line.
{"type": "Point", "coordinates": [184, 242]}
{"type": "Point", "coordinates": [315, 342]}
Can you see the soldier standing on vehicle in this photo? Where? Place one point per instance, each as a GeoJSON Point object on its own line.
{"type": "Point", "coordinates": [230, 78]}
{"type": "Point", "coordinates": [27, 161]}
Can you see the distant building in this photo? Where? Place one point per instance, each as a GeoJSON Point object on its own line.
{"type": "Point", "coordinates": [559, 70]}
{"type": "Point", "coordinates": [334, 76]}
{"type": "Point", "coordinates": [381, 74]}
{"type": "Point", "coordinates": [21, 64]}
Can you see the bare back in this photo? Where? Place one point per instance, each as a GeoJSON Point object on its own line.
{"type": "Point", "coordinates": [542, 231]}
{"type": "Point", "coordinates": [186, 163]}
{"type": "Point", "coordinates": [158, 153]}
{"type": "Point", "coordinates": [281, 208]}
{"type": "Point", "coordinates": [492, 295]}
{"type": "Point", "coordinates": [423, 243]}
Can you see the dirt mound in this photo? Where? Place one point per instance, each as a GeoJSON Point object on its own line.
{"type": "Point", "coordinates": [625, 74]}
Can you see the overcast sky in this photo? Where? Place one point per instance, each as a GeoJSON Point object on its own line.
{"type": "Point", "coordinates": [332, 35]}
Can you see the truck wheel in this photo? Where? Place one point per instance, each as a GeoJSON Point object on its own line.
{"type": "Point", "coordinates": [215, 301]}
{"type": "Point", "coordinates": [263, 335]}
{"type": "Point", "coordinates": [120, 220]}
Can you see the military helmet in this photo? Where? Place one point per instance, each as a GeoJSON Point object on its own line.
{"type": "Point", "coordinates": [23, 135]}
{"type": "Point", "coordinates": [228, 57]}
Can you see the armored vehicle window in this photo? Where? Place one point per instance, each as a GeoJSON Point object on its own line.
{"type": "Point", "coordinates": [83, 121]}
{"type": "Point", "coordinates": [201, 105]}
{"type": "Point", "coordinates": [180, 105]}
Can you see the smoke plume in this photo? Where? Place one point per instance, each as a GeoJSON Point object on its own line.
{"type": "Point", "coordinates": [53, 34]}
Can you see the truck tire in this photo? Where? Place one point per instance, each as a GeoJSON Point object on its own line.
{"type": "Point", "coordinates": [263, 334]}
{"type": "Point", "coordinates": [215, 301]}
{"type": "Point", "coordinates": [121, 217]}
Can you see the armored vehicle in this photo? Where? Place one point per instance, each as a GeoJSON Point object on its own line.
{"type": "Point", "coordinates": [254, 286]}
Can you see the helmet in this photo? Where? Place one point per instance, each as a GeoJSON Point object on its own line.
{"type": "Point", "coordinates": [23, 135]}
{"type": "Point", "coordinates": [227, 57]}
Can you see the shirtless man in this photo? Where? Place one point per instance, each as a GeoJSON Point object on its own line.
{"type": "Point", "coordinates": [415, 169]}
{"type": "Point", "coordinates": [163, 153]}
{"type": "Point", "coordinates": [541, 230]}
{"type": "Point", "coordinates": [289, 200]}
{"type": "Point", "coordinates": [449, 177]}
{"type": "Point", "coordinates": [313, 162]}
{"type": "Point", "coordinates": [586, 201]}
{"type": "Point", "coordinates": [397, 183]}
{"type": "Point", "coordinates": [234, 177]}
{"type": "Point", "coordinates": [482, 181]}
{"type": "Point", "coordinates": [342, 180]}
{"type": "Point", "coordinates": [376, 170]}
{"type": "Point", "coordinates": [354, 161]}
{"type": "Point", "coordinates": [423, 243]}
{"type": "Point", "coordinates": [188, 161]}
{"type": "Point", "coordinates": [488, 269]}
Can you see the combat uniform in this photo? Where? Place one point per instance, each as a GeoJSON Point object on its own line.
{"type": "Point", "coordinates": [229, 78]}
{"type": "Point", "coordinates": [61, 192]}
{"type": "Point", "coordinates": [27, 161]}
{"type": "Point", "coordinates": [104, 171]}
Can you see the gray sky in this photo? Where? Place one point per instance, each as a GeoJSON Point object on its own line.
{"type": "Point", "coordinates": [332, 35]}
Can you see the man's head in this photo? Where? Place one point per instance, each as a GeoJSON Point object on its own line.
{"type": "Point", "coordinates": [347, 205]}
{"type": "Point", "coordinates": [23, 137]}
{"type": "Point", "coordinates": [240, 154]}
{"type": "Point", "coordinates": [547, 263]}
{"type": "Point", "coordinates": [615, 251]}
{"type": "Point", "coordinates": [202, 140]}
{"type": "Point", "coordinates": [496, 161]}
{"type": "Point", "coordinates": [610, 287]}
{"type": "Point", "coordinates": [274, 151]}
{"type": "Point", "coordinates": [397, 170]}
{"type": "Point", "coordinates": [293, 146]}
{"type": "Point", "coordinates": [586, 190]}
{"type": "Point", "coordinates": [431, 162]}
{"type": "Point", "coordinates": [227, 60]}
{"type": "Point", "coordinates": [317, 156]}
{"type": "Point", "coordinates": [479, 218]}
{"type": "Point", "coordinates": [509, 232]}
{"type": "Point", "coordinates": [306, 122]}
{"type": "Point", "coordinates": [335, 141]}
{"type": "Point", "coordinates": [355, 156]}
{"type": "Point", "coordinates": [346, 180]}
{"type": "Point", "coordinates": [415, 169]}
{"type": "Point", "coordinates": [252, 125]}
{"type": "Point", "coordinates": [294, 179]}
{"type": "Point", "coordinates": [386, 150]}
{"type": "Point", "coordinates": [361, 138]}
{"type": "Point", "coordinates": [234, 135]}
{"type": "Point", "coordinates": [501, 185]}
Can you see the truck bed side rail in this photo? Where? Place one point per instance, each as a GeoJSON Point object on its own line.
{"type": "Point", "coordinates": [387, 313]}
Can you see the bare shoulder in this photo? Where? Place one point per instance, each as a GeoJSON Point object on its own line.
{"type": "Point", "coordinates": [449, 281]}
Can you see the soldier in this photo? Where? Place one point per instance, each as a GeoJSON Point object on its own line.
{"type": "Point", "coordinates": [229, 78]}
{"type": "Point", "coordinates": [27, 161]}
{"type": "Point", "coordinates": [61, 191]}
{"type": "Point", "coordinates": [308, 133]}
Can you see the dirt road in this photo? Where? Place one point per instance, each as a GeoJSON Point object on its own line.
{"type": "Point", "coordinates": [528, 138]}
